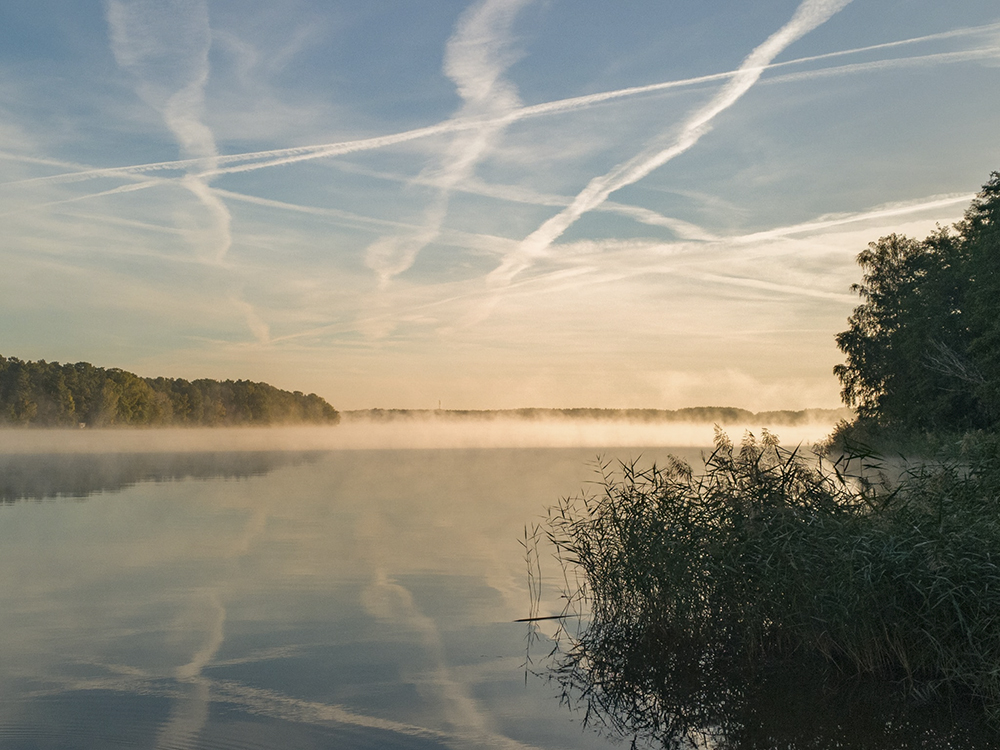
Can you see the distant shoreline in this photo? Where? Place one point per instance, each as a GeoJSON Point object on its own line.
{"type": "Point", "coordinates": [723, 415]}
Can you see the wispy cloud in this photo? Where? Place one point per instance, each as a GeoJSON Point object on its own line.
{"type": "Point", "coordinates": [484, 242]}
{"type": "Point", "coordinates": [164, 44]}
{"type": "Point", "coordinates": [809, 15]}
{"type": "Point", "coordinates": [256, 324]}
{"type": "Point", "coordinates": [477, 55]}
{"type": "Point", "coordinates": [880, 212]}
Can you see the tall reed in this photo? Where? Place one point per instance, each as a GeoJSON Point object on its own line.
{"type": "Point", "coordinates": [766, 554]}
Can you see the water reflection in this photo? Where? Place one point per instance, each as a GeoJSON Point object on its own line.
{"type": "Point", "coordinates": [354, 599]}
{"type": "Point", "coordinates": [662, 692]}
{"type": "Point", "coordinates": [362, 599]}
{"type": "Point", "coordinates": [34, 476]}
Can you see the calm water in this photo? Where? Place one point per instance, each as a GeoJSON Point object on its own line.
{"type": "Point", "coordinates": [275, 600]}
{"type": "Point", "coordinates": [324, 599]}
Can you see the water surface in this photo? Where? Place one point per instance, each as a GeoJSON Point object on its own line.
{"type": "Point", "coordinates": [344, 598]}
{"type": "Point", "coordinates": [337, 599]}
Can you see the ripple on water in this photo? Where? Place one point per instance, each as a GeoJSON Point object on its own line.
{"type": "Point", "coordinates": [83, 719]}
{"type": "Point", "coordinates": [97, 719]}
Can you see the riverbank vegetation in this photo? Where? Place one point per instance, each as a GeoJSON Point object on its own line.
{"type": "Point", "coordinates": [49, 394]}
{"type": "Point", "coordinates": [694, 589]}
{"type": "Point", "coordinates": [694, 586]}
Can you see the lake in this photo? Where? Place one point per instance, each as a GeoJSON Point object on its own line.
{"type": "Point", "coordinates": [296, 598]}
{"type": "Point", "coordinates": [360, 598]}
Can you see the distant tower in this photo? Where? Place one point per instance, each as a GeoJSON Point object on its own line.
{"type": "Point", "coordinates": [439, 404]}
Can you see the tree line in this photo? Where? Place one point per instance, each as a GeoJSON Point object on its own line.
{"type": "Point", "coordinates": [50, 394]}
{"type": "Point", "coordinates": [923, 347]}
{"type": "Point", "coordinates": [694, 414]}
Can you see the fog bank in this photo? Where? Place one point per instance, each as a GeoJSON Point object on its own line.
{"type": "Point", "coordinates": [429, 433]}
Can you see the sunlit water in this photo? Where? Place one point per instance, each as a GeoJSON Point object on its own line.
{"type": "Point", "coordinates": [360, 598]}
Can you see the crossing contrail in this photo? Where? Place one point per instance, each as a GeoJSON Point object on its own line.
{"type": "Point", "coordinates": [170, 78]}
{"type": "Point", "coordinates": [476, 58]}
{"type": "Point", "coordinates": [809, 15]}
{"type": "Point", "coordinates": [290, 155]}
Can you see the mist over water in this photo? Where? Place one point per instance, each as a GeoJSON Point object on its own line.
{"type": "Point", "coordinates": [416, 433]}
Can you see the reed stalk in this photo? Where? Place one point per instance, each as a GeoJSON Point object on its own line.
{"type": "Point", "coordinates": [767, 555]}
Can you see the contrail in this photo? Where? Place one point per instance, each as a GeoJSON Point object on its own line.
{"type": "Point", "coordinates": [290, 155]}
{"type": "Point", "coordinates": [519, 194]}
{"type": "Point", "coordinates": [476, 58]}
{"type": "Point", "coordinates": [683, 229]}
{"type": "Point", "coordinates": [260, 330]}
{"type": "Point", "coordinates": [487, 242]}
{"type": "Point", "coordinates": [113, 191]}
{"type": "Point", "coordinates": [44, 162]}
{"type": "Point", "coordinates": [809, 15]}
{"type": "Point", "coordinates": [987, 53]}
{"type": "Point", "coordinates": [165, 45]}
{"type": "Point", "coordinates": [763, 285]}
{"type": "Point", "coordinates": [877, 213]}
{"type": "Point", "coordinates": [562, 105]}
{"type": "Point", "coordinates": [583, 273]}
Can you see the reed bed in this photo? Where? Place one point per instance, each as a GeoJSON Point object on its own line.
{"type": "Point", "coordinates": [767, 555]}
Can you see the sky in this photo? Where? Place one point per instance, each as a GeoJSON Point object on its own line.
{"type": "Point", "coordinates": [495, 204]}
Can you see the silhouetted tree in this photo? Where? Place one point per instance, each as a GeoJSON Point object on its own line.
{"type": "Point", "coordinates": [923, 348]}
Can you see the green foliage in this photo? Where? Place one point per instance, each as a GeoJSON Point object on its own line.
{"type": "Point", "coordinates": [923, 348]}
{"type": "Point", "coordinates": [691, 577]}
{"type": "Point", "coordinates": [52, 395]}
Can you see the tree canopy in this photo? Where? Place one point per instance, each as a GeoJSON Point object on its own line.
{"type": "Point", "coordinates": [923, 347]}
{"type": "Point", "coordinates": [50, 394]}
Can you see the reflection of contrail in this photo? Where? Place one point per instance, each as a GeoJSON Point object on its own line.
{"type": "Point", "coordinates": [276, 157]}
{"type": "Point", "coordinates": [809, 15]}
{"type": "Point", "coordinates": [257, 701]}
{"type": "Point", "coordinates": [189, 712]}
{"type": "Point", "coordinates": [387, 599]}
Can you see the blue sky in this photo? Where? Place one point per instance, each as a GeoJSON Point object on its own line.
{"type": "Point", "coordinates": [492, 204]}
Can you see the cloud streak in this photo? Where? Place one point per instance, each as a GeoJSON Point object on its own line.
{"type": "Point", "coordinates": [809, 15]}
{"type": "Point", "coordinates": [164, 44]}
{"type": "Point", "coordinates": [476, 58]}
{"type": "Point", "coordinates": [217, 164]}
{"type": "Point", "coordinates": [882, 212]}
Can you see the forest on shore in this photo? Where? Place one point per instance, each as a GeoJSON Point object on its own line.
{"type": "Point", "coordinates": [50, 394]}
